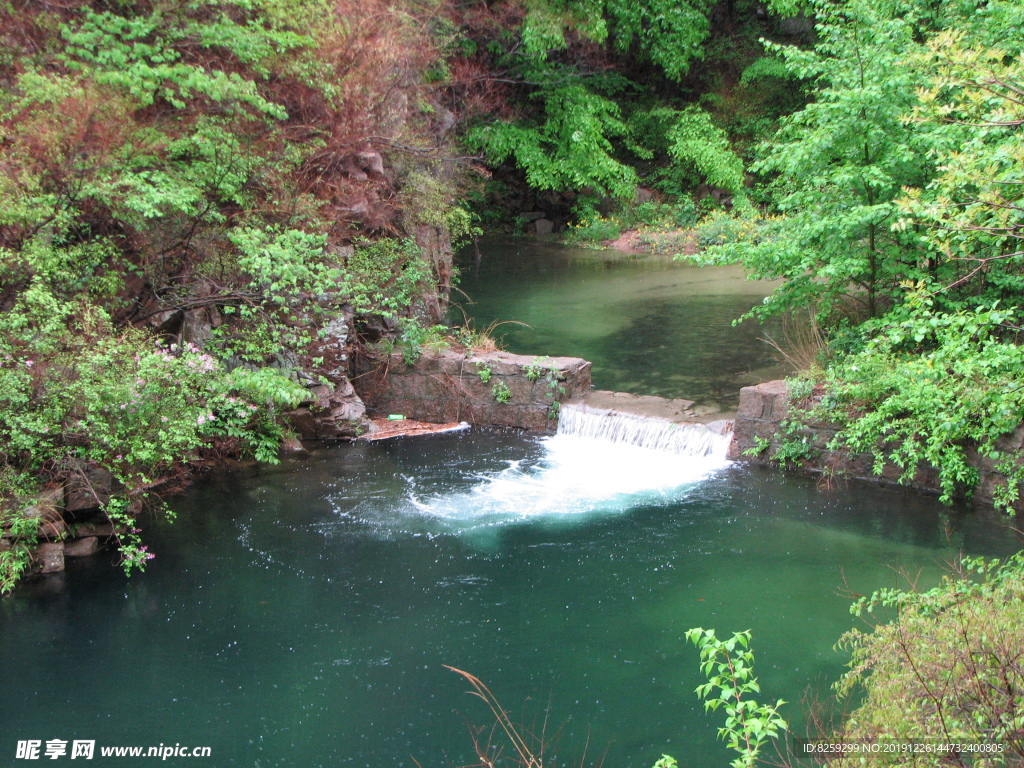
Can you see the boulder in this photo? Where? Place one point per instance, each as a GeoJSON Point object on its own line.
{"type": "Point", "coordinates": [796, 25]}
{"type": "Point", "coordinates": [371, 162]}
{"type": "Point", "coordinates": [331, 414]}
{"type": "Point", "coordinates": [291, 445]}
{"type": "Point", "coordinates": [104, 529]}
{"type": "Point", "coordinates": [768, 401]}
{"type": "Point", "coordinates": [50, 557]}
{"type": "Point", "coordinates": [350, 169]}
{"type": "Point", "coordinates": [197, 325]}
{"type": "Point", "coordinates": [720, 427]}
{"type": "Point", "coordinates": [51, 497]}
{"type": "Point", "coordinates": [82, 547]}
{"type": "Point", "coordinates": [47, 510]}
{"type": "Point", "coordinates": [543, 226]}
{"type": "Point", "coordinates": [165, 322]}
{"type": "Point", "coordinates": [644, 195]}
{"type": "Point", "coordinates": [445, 119]}
{"type": "Point", "coordinates": [88, 488]}
{"type": "Point", "coordinates": [51, 522]}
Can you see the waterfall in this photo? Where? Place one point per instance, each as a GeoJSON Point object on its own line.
{"type": "Point", "coordinates": [682, 439]}
{"type": "Point", "coordinates": [599, 462]}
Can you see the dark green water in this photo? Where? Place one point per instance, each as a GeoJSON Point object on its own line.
{"type": "Point", "coordinates": [302, 615]}
{"type": "Point", "coordinates": [649, 325]}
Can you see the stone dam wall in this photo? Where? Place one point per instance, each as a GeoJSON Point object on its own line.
{"type": "Point", "coordinates": [764, 407]}
{"type": "Point", "coordinates": [499, 389]}
{"type": "Point", "coordinates": [495, 389]}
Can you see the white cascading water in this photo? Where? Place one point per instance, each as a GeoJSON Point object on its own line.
{"type": "Point", "coordinates": [655, 434]}
{"type": "Point", "coordinates": [597, 463]}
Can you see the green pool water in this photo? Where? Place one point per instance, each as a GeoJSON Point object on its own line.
{"type": "Point", "coordinates": [303, 615]}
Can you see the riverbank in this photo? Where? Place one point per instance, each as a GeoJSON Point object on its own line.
{"type": "Point", "coordinates": [771, 429]}
{"type": "Point", "coordinates": [655, 242]}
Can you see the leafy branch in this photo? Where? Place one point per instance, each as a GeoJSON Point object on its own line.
{"type": "Point", "coordinates": [729, 667]}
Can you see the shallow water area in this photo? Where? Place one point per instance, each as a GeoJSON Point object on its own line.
{"type": "Point", "coordinates": [302, 615]}
{"type": "Point", "coordinates": [649, 325]}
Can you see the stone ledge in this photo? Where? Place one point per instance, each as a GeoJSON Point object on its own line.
{"type": "Point", "coordinates": [765, 406]}
{"type": "Point", "coordinates": [446, 386]}
{"type": "Point", "coordinates": [653, 407]}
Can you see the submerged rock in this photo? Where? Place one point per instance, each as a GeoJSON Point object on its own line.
{"type": "Point", "coordinates": [291, 445]}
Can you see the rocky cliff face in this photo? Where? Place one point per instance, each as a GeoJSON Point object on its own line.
{"type": "Point", "coordinates": [330, 414]}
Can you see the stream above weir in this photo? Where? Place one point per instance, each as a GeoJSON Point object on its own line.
{"type": "Point", "coordinates": [648, 325]}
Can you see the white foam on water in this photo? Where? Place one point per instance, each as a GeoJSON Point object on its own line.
{"type": "Point", "coordinates": [577, 476]}
{"type": "Point", "coordinates": [596, 464]}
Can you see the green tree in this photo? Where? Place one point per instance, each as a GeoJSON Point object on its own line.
{"type": "Point", "coordinates": [571, 132]}
{"type": "Point", "coordinates": [571, 149]}
{"type": "Point", "coordinates": [973, 208]}
{"type": "Point", "coordinates": [177, 160]}
{"type": "Point", "coordinates": [838, 165]}
{"type": "Point", "coordinates": [941, 376]}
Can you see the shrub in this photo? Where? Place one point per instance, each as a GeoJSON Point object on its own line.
{"type": "Point", "coordinates": [722, 228]}
{"type": "Point", "coordinates": [931, 387]}
{"type": "Point", "coordinates": [593, 230]}
{"type": "Point", "coordinates": [729, 667]}
{"type": "Point", "coordinates": [75, 389]}
{"type": "Point", "coordinates": [947, 669]}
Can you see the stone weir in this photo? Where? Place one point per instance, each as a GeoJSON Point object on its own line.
{"type": "Point", "coordinates": [495, 389]}
{"type": "Point", "coordinates": [500, 389]}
